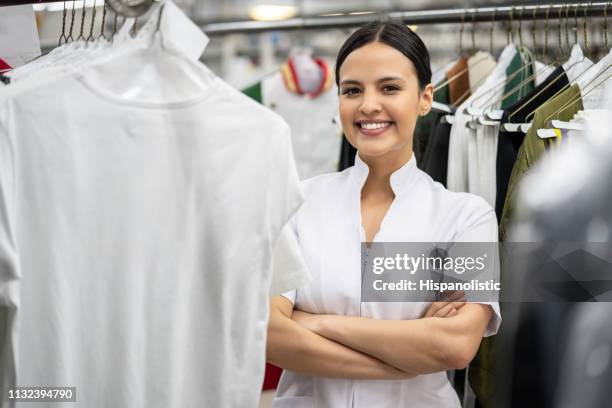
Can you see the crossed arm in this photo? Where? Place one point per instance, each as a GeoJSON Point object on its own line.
{"type": "Point", "coordinates": [358, 347]}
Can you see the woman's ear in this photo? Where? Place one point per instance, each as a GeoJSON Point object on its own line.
{"type": "Point", "coordinates": [426, 100]}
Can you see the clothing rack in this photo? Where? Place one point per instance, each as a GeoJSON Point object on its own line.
{"type": "Point", "coordinates": [442, 16]}
{"type": "Point", "coordinates": [467, 16]}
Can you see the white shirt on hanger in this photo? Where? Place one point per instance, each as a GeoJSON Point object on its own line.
{"type": "Point", "coordinates": [576, 64]}
{"type": "Point", "coordinates": [137, 237]}
{"type": "Point", "coordinates": [423, 211]}
{"type": "Point", "coordinates": [459, 166]}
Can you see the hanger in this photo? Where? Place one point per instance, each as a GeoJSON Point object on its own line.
{"type": "Point", "coordinates": [103, 26]}
{"type": "Point", "coordinates": [545, 133]}
{"type": "Point", "coordinates": [69, 38]}
{"type": "Point", "coordinates": [461, 52]}
{"type": "Point", "coordinates": [513, 127]}
{"type": "Point", "coordinates": [481, 80]}
{"type": "Point", "coordinates": [485, 111]}
{"type": "Point", "coordinates": [81, 37]}
{"type": "Point", "coordinates": [63, 37]}
{"type": "Point", "coordinates": [567, 125]}
{"type": "Point", "coordinates": [91, 38]}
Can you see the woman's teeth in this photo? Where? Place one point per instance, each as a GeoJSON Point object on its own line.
{"type": "Point", "coordinates": [374, 125]}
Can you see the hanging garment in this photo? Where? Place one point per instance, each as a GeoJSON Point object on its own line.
{"type": "Point", "coordinates": [461, 136]}
{"type": "Point", "coordinates": [425, 127]}
{"type": "Point", "coordinates": [509, 143]}
{"type": "Point", "coordinates": [480, 66]}
{"type": "Point", "coordinates": [459, 85]}
{"type": "Point", "coordinates": [521, 78]}
{"type": "Point", "coordinates": [132, 267]}
{"type": "Point", "coordinates": [313, 117]}
{"type": "Point", "coordinates": [332, 251]}
{"type": "Point", "coordinates": [436, 156]}
{"type": "Point", "coordinates": [534, 147]}
{"type": "Point", "coordinates": [482, 146]}
{"type": "Point", "coordinates": [564, 199]}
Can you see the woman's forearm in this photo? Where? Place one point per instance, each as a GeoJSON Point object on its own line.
{"type": "Point", "coordinates": [298, 349]}
{"type": "Point", "coordinates": [419, 346]}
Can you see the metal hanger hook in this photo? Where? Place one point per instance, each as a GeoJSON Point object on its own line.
{"type": "Point", "coordinates": [474, 11]}
{"type": "Point", "coordinates": [567, 9]}
{"type": "Point", "coordinates": [461, 33]}
{"type": "Point", "coordinates": [83, 15]}
{"type": "Point", "coordinates": [63, 34]}
{"type": "Point", "coordinates": [533, 33]}
{"type": "Point", "coordinates": [576, 23]}
{"type": "Point", "coordinates": [103, 26]}
{"type": "Point", "coordinates": [72, 18]}
{"type": "Point", "coordinates": [510, 33]}
{"type": "Point", "coordinates": [520, 26]}
{"type": "Point", "coordinates": [491, 30]}
{"type": "Point", "coordinates": [93, 22]}
{"type": "Point", "coordinates": [606, 24]}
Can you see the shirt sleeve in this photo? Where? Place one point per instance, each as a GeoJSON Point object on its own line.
{"type": "Point", "coordinates": [8, 247]}
{"type": "Point", "coordinates": [481, 226]}
{"type": "Point", "coordinates": [288, 267]}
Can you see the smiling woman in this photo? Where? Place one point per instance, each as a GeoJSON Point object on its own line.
{"type": "Point", "coordinates": [330, 343]}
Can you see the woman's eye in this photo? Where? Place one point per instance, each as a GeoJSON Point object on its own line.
{"type": "Point", "coordinates": [390, 88]}
{"type": "Point", "coordinates": [350, 91]}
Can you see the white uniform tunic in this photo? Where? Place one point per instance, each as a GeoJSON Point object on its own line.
{"type": "Point", "coordinates": [329, 231]}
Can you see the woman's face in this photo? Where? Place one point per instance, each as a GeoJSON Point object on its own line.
{"type": "Point", "coordinates": [380, 100]}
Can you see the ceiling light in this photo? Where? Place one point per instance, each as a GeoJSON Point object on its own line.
{"type": "Point", "coordinates": [273, 10]}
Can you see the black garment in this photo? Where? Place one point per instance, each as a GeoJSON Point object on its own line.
{"type": "Point", "coordinates": [509, 142]}
{"type": "Point", "coordinates": [435, 161]}
{"type": "Point", "coordinates": [347, 155]}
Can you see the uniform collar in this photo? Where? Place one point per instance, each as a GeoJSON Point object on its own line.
{"type": "Point", "coordinates": [402, 179]}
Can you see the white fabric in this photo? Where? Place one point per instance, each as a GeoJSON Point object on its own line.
{"type": "Point", "coordinates": [331, 248]}
{"type": "Point", "coordinates": [592, 82]}
{"type": "Point", "coordinates": [136, 238]}
{"type": "Point", "coordinates": [542, 71]}
{"type": "Point", "coordinates": [461, 137]}
{"type": "Point", "coordinates": [19, 42]}
{"type": "Point", "coordinates": [315, 129]}
{"type": "Point", "coordinates": [289, 270]}
{"type": "Point", "coordinates": [480, 66]}
{"type": "Point", "coordinates": [576, 64]}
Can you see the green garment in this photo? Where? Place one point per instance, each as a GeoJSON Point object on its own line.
{"type": "Point", "coordinates": [254, 92]}
{"type": "Point", "coordinates": [426, 125]}
{"type": "Point", "coordinates": [533, 148]}
{"type": "Point", "coordinates": [519, 70]}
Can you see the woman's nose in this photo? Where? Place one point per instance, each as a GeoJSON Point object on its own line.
{"type": "Point", "coordinates": [370, 105]}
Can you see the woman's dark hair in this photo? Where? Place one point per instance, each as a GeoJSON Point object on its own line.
{"type": "Point", "coordinates": [396, 35]}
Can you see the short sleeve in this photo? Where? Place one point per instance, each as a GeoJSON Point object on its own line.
{"type": "Point", "coordinates": [480, 225]}
{"type": "Point", "coordinates": [289, 269]}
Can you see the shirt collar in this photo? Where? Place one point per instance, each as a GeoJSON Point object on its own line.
{"type": "Point", "coordinates": [401, 179]}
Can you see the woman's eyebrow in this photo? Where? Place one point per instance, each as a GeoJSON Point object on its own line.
{"type": "Point", "coordinates": [390, 78]}
{"type": "Point", "coordinates": [350, 82]}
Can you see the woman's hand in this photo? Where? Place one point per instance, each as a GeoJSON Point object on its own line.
{"type": "Point", "coordinates": [447, 306]}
